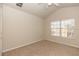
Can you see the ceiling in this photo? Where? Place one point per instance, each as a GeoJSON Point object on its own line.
{"type": "Point", "coordinates": [41, 9]}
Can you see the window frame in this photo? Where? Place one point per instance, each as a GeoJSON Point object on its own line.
{"type": "Point", "coordinates": [60, 25]}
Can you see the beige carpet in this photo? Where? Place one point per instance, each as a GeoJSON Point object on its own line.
{"type": "Point", "coordinates": [44, 48]}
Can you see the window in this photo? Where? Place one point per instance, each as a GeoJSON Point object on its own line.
{"type": "Point", "coordinates": [55, 28]}
{"type": "Point", "coordinates": [62, 28]}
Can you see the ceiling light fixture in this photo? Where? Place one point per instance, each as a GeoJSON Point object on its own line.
{"type": "Point", "coordinates": [49, 3]}
{"type": "Point", "coordinates": [52, 4]}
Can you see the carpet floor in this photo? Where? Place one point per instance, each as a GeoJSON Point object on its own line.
{"type": "Point", "coordinates": [44, 48]}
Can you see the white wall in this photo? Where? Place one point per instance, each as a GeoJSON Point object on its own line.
{"type": "Point", "coordinates": [20, 28]}
{"type": "Point", "coordinates": [62, 14]}
{"type": "Point", "coordinates": [0, 30]}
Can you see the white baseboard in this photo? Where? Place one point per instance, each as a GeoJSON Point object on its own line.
{"type": "Point", "coordinates": [20, 46]}
{"type": "Point", "coordinates": [68, 44]}
{"type": "Point", "coordinates": [77, 46]}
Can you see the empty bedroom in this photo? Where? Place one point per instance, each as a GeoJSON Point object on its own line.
{"type": "Point", "coordinates": [39, 29]}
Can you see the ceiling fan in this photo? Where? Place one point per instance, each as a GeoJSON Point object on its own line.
{"type": "Point", "coordinates": [19, 4]}
{"type": "Point", "coordinates": [50, 4]}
